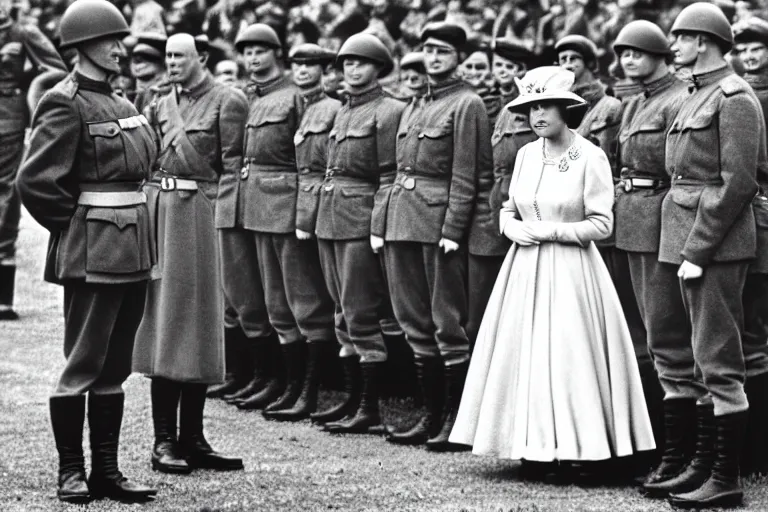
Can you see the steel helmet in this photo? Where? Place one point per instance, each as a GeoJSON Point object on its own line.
{"type": "Point", "coordinates": [369, 47]}
{"type": "Point", "coordinates": [581, 45]}
{"type": "Point", "coordinates": [705, 18]}
{"type": "Point", "coordinates": [258, 33]}
{"type": "Point", "coordinates": [644, 36]}
{"type": "Point", "coordinates": [86, 20]}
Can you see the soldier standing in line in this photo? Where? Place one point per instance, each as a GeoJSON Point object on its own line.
{"type": "Point", "coordinates": [413, 76]}
{"type": "Point", "coordinates": [308, 61]}
{"type": "Point", "coordinates": [180, 343]}
{"type": "Point", "coordinates": [510, 60]}
{"type": "Point", "coordinates": [88, 153]}
{"type": "Point", "coordinates": [714, 148]}
{"type": "Point", "coordinates": [751, 40]}
{"type": "Point", "coordinates": [297, 300]}
{"type": "Point", "coordinates": [361, 165]}
{"type": "Point", "coordinates": [642, 50]}
{"type": "Point", "coordinates": [18, 42]}
{"type": "Point", "coordinates": [443, 142]}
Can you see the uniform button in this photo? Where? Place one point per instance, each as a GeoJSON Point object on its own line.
{"type": "Point", "coordinates": [679, 177]}
{"type": "Point", "coordinates": [407, 169]}
{"type": "Point", "coordinates": [244, 173]}
{"type": "Point", "coordinates": [421, 135]}
{"type": "Point", "coordinates": [328, 188]}
{"type": "Point", "coordinates": [409, 183]}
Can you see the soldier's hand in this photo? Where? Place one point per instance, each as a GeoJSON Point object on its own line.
{"type": "Point", "coordinates": [376, 243]}
{"type": "Point", "coordinates": [303, 235]}
{"type": "Point", "coordinates": [689, 270]}
{"type": "Point", "coordinates": [448, 245]}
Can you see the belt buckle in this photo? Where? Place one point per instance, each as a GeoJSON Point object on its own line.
{"type": "Point", "coordinates": [167, 183]}
{"type": "Point", "coordinates": [628, 185]}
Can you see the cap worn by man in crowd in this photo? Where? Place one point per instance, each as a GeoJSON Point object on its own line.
{"type": "Point", "coordinates": [368, 47]}
{"type": "Point", "coordinates": [751, 30]}
{"type": "Point", "coordinates": [413, 60]}
{"type": "Point", "coordinates": [310, 53]}
{"type": "Point", "coordinates": [258, 34]}
{"type": "Point", "coordinates": [546, 84]}
{"type": "Point", "coordinates": [446, 32]}
{"type": "Point", "coordinates": [642, 35]}
{"type": "Point", "coordinates": [707, 19]}
{"type": "Point", "coordinates": [150, 45]}
{"type": "Point", "coordinates": [511, 50]}
{"type": "Point", "coordinates": [579, 44]}
{"type": "Point", "coordinates": [202, 43]}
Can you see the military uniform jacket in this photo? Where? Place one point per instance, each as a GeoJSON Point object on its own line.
{"type": "Point", "coordinates": [759, 84]}
{"type": "Point", "coordinates": [641, 153]}
{"type": "Point", "coordinates": [603, 119]}
{"type": "Point", "coordinates": [17, 44]}
{"type": "Point", "coordinates": [442, 143]}
{"type": "Point", "coordinates": [714, 147]}
{"type": "Point", "coordinates": [311, 142]}
{"type": "Point", "coordinates": [361, 166]}
{"type": "Point", "coordinates": [87, 138]}
{"type": "Point", "coordinates": [262, 196]}
{"type": "Point", "coordinates": [200, 131]}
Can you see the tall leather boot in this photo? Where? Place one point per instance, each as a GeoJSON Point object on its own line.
{"type": "Point", "coordinates": [754, 456]}
{"type": "Point", "coordinates": [367, 414]}
{"type": "Point", "coordinates": [294, 358]}
{"type": "Point", "coordinates": [430, 374]}
{"type": "Point", "coordinates": [273, 383]}
{"type": "Point", "coordinates": [67, 417]}
{"type": "Point", "coordinates": [166, 455]}
{"type": "Point", "coordinates": [679, 444]}
{"type": "Point", "coordinates": [236, 363]}
{"type": "Point", "coordinates": [352, 386]}
{"type": "Point", "coordinates": [192, 442]}
{"type": "Point", "coordinates": [721, 489]}
{"type": "Point", "coordinates": [105, 415]}
{"type": "Point", "coordinates": [455, 375]}
{"type": "Point", "coordinates": [307, 401]}
{"type": "Point", "coordinates": [258, 357]}
{"type": "Point", "coordinates": [7, 286]}
{"type": "Point", "coordinates": [698, 471]}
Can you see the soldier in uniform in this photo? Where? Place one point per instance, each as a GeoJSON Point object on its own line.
{"type": "Point", "coordinates": [510, 60]}
{"type": "Point", "coordinates": [297, 300]}
{"type": "Point", "coordinates": [147, 67]}
{"type": "Point", "coordinates": [308, 61]}
{"type": "Point", "coordinates": [714, 148]}
{"type": "Point", "coordinates": [18, 43]}
{"type": "Point", "coordinates": [413, 76]}
{"type": "Point", "coordinates": [180, 342]}
{"type": "Point", "coordinates": [443, 143]}
{"type": "Point", "coordinates": [361, 165]}
{"type": "Point", "coordinates": [88, 153]}
{"type": "Point", "coordinates": [751, 40]}
{"type": "Point", "coordinates": [642, 50]}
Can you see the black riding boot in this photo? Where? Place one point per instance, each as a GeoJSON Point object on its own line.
{"type": "Point", "coordinates": [258, 358]}
{"type": "Point", "coordinates": [236, 363]}
{"type": "Point", "coordinates": [7, 286]}
{"type": "Point", "coordinates": [679, 444]}
{"type": "Point", "coordinates": [455, 375]}
{"type": "Point", "coordinates": [352, 386]}
{"type": "Point", "coordinates": [294, 359]}
{"type": "Point", "coordinates": [430, 373]}
{"type": "Point", "coordinates": [307, 401]}
{"type": "Point", "coordinates": [367, 414]}
{"type": "Point", "coordinates": [166, 456]}
{"type": "Point", "coordinates": [67, 417]}
{"type": "Point", "coordinates": [754, 456]}
{"type": "Point", "coordinates": [105, 415]}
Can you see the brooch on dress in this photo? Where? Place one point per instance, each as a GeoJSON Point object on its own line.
{"type": "Point", "coordinates": [574, 153]}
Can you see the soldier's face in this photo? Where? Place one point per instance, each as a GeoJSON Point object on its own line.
{"type": "Point", "coordinates": [359, 72]}
{"type": "Point", "coordinates": [414, 80]}
{"type": "Point", "coordinates": [259, 59]}
{"type": "Point", "coordinates": [505, 71]}
{"type": "Point", "coordinates": [306, 75]}
{"type": "Point", "coordinates": [105, 53]}
{"type": "Point", "coordinates": [476, 70]}
{"type": "Point", "coordinates": [439, 58]}
{"type": "Point", "coordinates": [754, 56]}
{"type": "Point", "coordinates": [143, 67]}
{"type": "Point", "coordinates": [638, 65]}
{"type": "Point", "coordinates": [573, 62]}
{"type": "Point", "coordinates": [546, 120]}
{"type": "Point", "coordinates": [686, 49]}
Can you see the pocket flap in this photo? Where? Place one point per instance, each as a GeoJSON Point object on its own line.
{"type": "Point", "coordinates": [700, 120]}
{"type": "Point", "coordinates": [358, 132]}
{"type": "Point", "coordinates": [317, 126]}
{"type": "Point", "coordinates": [435, 132]}
{"type": "Point", "coordinates": [433, 193]}
{"type": "Point", "coordinates": [272, 114]}
{"type": "Point", "coordinates": [104, 129]}
{"type": "Point", "coordinates": [119, 217]}
{"type": "Point", "coordinates": [686, 197]}
{"type": "Point", "coordinates": [357, 191]}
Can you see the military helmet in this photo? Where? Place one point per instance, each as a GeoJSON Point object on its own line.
{"type": "Point", "coordinates": [705, 18]}
{"type": "Point", "coordinates": [369, 47]}
{"type": "Point", "coordinates": [86, 20]}
{"type": "Point", "coordinates": [258, 33]}
{"type": "Point", "coordinates": [581, 45]}
{"type": "Point", "coordinates": [644, 36]}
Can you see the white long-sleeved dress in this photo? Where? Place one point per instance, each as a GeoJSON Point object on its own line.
{"type": "Point", "coordinates": [553, 373]}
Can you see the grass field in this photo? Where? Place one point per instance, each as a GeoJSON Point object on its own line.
{"type": "Point", "coordinates": [288, 466]}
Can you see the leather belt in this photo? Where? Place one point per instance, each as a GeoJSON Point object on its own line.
{"type": "Point", "coordinates": [630, 184]}
{"type": "Point", "coordinates": [168, 184]}
{"type": "Point", "coordinates": [111, 199]}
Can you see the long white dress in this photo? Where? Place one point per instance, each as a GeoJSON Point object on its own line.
{"type": "Point", "coordinates": [553, 374]}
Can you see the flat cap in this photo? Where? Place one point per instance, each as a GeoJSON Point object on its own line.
{"type": "Point", "coordinates": [412, 60]}
{"type": "Point", "coordinates": [311, 53]}
{"type": "Point", "coordinates": [450, 33]}
{"type": "Point", "coordinates": [580, 44]}
{"type": "Point", "coordinates": [148, 51]}
{"type": "Point", "coordinates": [751, 30]}
{"type": "Point", "coordinates": [512, 50]}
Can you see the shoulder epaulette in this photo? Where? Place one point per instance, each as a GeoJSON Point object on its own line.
{"type": "Point", "coordinates": [732, 84]}
{"type": "Point", "coordinates": [68, 86]}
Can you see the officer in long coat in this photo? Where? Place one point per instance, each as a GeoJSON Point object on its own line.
{"type": "Point", "coordinates": [88, 153]}
{"type": "Point", "coordinates": [296, 297]}
{"type": "Point", "coordinates": [443, 143]}
{"type": "Point", "coordinates": [19, 43]}
{"type": "Point", "coordinates": [308, 61]}
{"type": "Point", "coordinates": [751, 42]}
{"type": "Point", "coordinates": [708, 230]}
{"type": "Point", "coordinates": [642, 49]}
{"type": "Point", "coordinates": [180, 342]}
{"type": "Point", "coordinates": [361, 165]}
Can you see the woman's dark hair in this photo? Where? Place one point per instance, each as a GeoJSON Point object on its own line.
{"type": "Point", "coordinates": [571, 114]}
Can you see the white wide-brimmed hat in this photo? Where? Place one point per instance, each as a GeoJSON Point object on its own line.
{"type": "Point", "coordinates": [550, 84]}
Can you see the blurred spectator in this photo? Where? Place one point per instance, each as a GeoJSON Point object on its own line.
{"type": "Point", "coordinates": [413, 76]}
{"type": "Point", "coordinates": [227, 72]}
{"type": "Point", "coordinates": [147, 16]}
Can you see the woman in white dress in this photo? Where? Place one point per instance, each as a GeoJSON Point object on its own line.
{"type": "Point", "coordinates": [553, 375]}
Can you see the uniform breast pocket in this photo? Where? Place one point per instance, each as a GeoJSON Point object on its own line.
{"type": "Point", "coordinates": [117, 240]}
{"type": "Point", "coordinates": [360, 142]}
{"type": "Point", "coordinates": [108, 149]}
{"type": "Point", "coordinates": [436, 146]}
{"type": "Point", "coordinates": [202, 135]}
